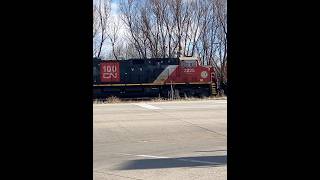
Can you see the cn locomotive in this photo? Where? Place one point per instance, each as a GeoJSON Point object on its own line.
{"type": "Point", "coordinates": [153, 77]}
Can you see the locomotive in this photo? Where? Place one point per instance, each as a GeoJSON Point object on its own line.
{"type": "Point", "coordinates": [163, 77]}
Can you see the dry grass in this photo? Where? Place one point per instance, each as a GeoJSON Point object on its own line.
{"type": "Point", "coordinates": [113, 100]}
{"type": "Point", "coordinates": [218, 97]}
{"type": "Point", "coordinates": [158, 99]}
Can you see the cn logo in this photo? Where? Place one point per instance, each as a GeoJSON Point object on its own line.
{"type": "Point", "coordinates": [204, 74]}
{"type": "Point", "coordinates": [110, 72]}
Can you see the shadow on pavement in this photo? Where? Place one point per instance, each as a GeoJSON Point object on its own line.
{"type": "Point", "coordinates": [212, 161]}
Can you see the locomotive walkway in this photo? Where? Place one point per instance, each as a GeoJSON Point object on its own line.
{"type": "Point", "coordinates": [160, 140]}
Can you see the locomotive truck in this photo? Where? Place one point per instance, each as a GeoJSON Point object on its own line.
{"type": "Point", "coordinates": [183, 76]}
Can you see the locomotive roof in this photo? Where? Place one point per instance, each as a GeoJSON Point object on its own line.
{"type": "Point", "coordinates": [187, 58]}
{"type": "Point", "coordinates": [151, 59]}
{"type": "Point", "coordinates": [162, 60]}
{"type": "Point", "coordinates": [172, 61]}
{"type": "Point", "coordinates": [154, 59]}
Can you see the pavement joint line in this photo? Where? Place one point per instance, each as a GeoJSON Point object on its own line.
{"type": "Point", "coordinates": [162, 157]}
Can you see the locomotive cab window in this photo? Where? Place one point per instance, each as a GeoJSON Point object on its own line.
{"type": "Point", "coordinates": [189, 64]}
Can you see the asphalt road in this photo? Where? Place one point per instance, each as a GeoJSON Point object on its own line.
{"type": "Point", "coordinates": [160, 140]}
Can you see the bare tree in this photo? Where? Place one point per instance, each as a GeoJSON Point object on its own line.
{"type": "Point", "coordinates": [101, 16]}
{"type": "Point", "coordinates": [129, 13]}
{"type": "Point", "coordinates": [221, 16]}
{"type": "Point", "coordinates": [96, 27]}
{"type": "Point", "coordinates": [113, 34]}
{"type": "Point", "coordinates": [95, 21]}
{"type": "Point", "coordinates": [169, 28]}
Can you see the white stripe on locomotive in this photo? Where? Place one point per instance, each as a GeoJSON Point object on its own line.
{"type": "Point", "coordinates": [163, 76]}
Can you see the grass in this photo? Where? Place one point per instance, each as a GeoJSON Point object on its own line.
{"type": "Point", "coordinates": [114, 100]}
